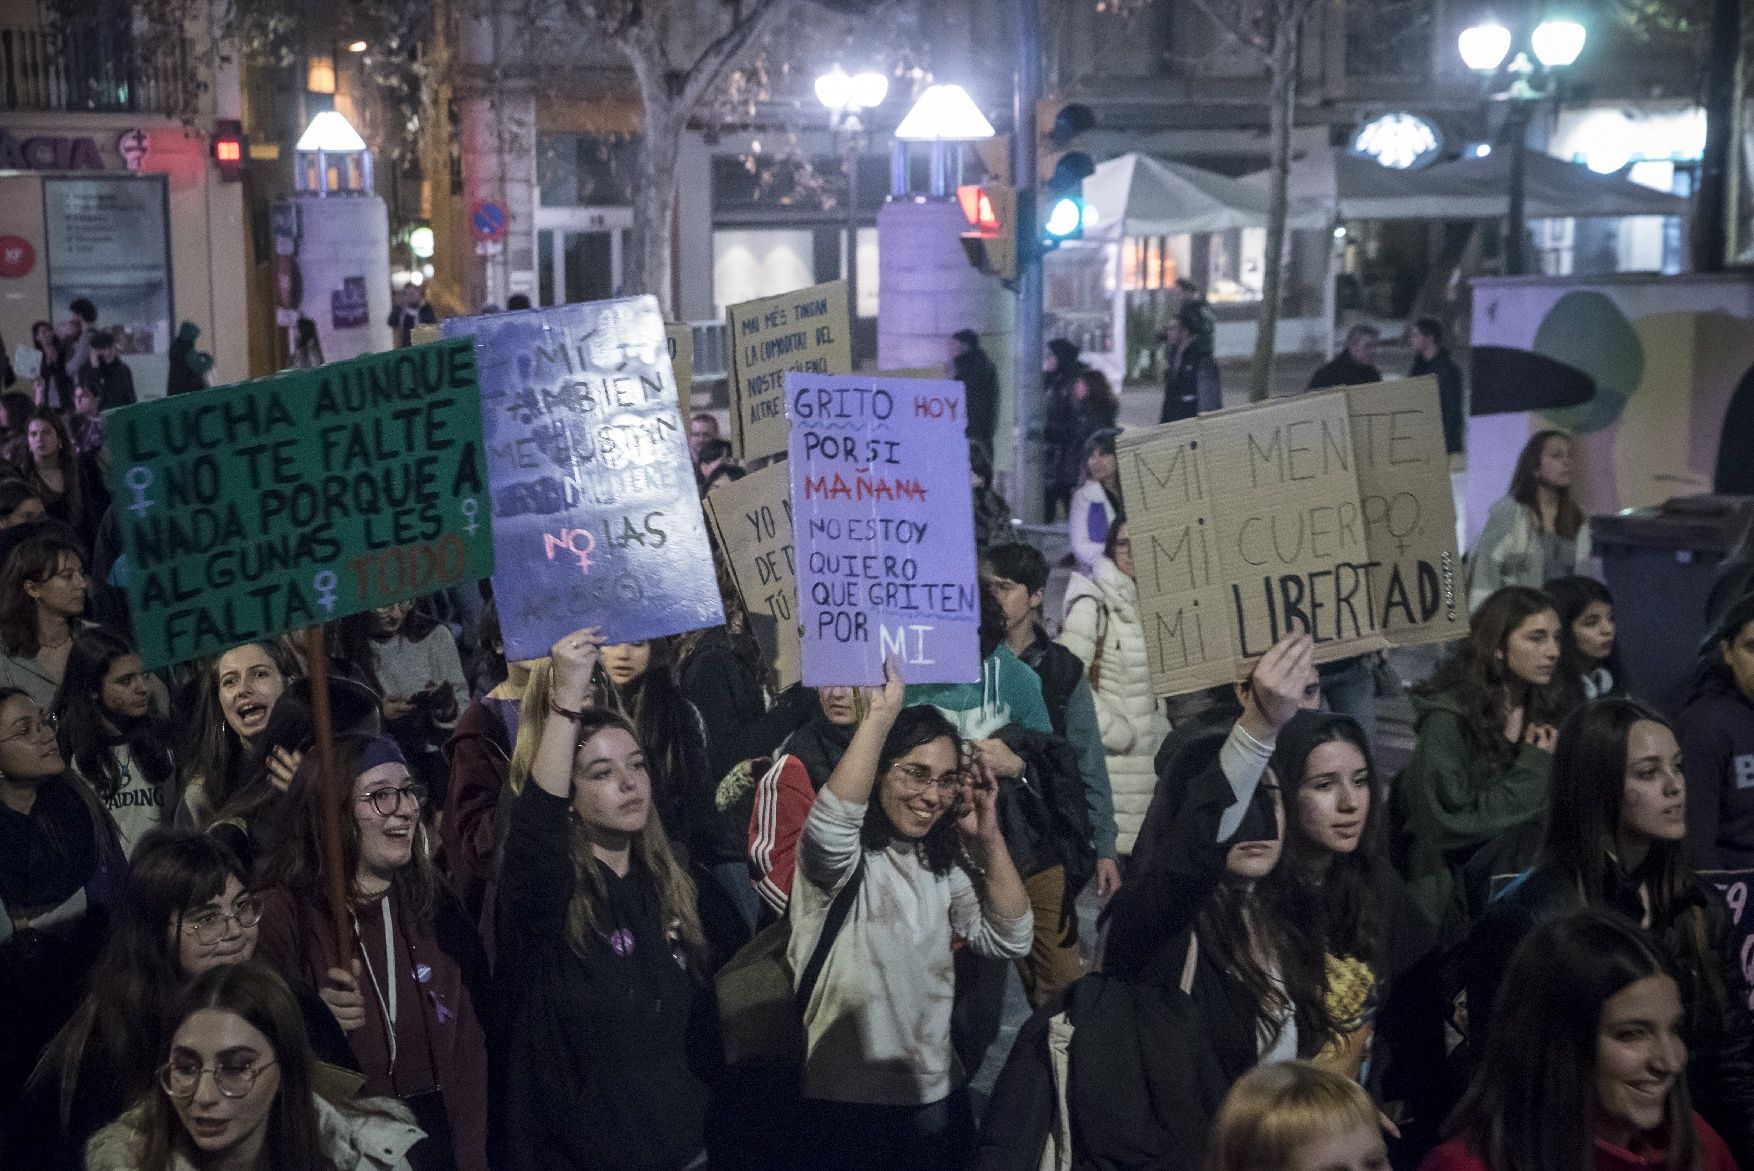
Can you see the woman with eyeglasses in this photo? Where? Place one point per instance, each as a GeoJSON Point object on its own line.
{"type": "Point", "coordinates": [61, 869]}
{"type": "Point", "coordinates": [414, 968]}
{"type": "Point", "coordinates": [920, 858]}
{"type": "Point", "coordinates": [186, 910]}
{"type": "Point", "coordinates": [111, 737]}
{"type": "Point", "coordinates": [42, 600]}
{"type": "Point", "coordinates": [238, 1088]}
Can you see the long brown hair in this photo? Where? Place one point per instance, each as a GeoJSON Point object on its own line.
{"type": "Point", "coordinates": [677, 897]}
{"type": "Point", "coordinates": [255, 993]}
{"type": "Point", "coordinates": [67, 457]}
{"type": "Point", "coordinates": [121, 1023]}
{"type": "Point", "coordinates": [1525, 488]}
{"type": "Point", "coordinates": [217, 756]}
{"type": "Point", "coordinates": [1480, 681]}
{"type": "Point", "coordinates": [33, 562]}
{"type": "Point", "coordinates": [296, 860]}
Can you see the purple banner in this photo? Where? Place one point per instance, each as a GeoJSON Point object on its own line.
{"type": "Point", "coordinates": [883, 521]}
{"type": "Point", "coordinates": [596, 519]}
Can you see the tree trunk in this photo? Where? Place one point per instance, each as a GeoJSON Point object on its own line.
{"type": "Point", "coordinates": [654, 200]}
{"type": "Point", "coordinates": [1282, 103]}
{"type": "Point", "coordinates": [1715, 210]}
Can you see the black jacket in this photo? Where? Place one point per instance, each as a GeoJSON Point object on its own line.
{"type": "Point", "coordinates": [1716, 731]}
{"type": "Point", "coordinates": [1060, 438]}
{"type": "Point", "coordinates": [980, 388]}
{"type": "Point", "coordinates": [1343, 370]}
{"type": "Point", "coordinates": [1044, 816]}
{"type": "Point", "coordinates": [113, 381]}
{"type": "Point", "coordinates": [1191, 384]}
{"type": "Point", "coordinates": [1150, 1065]}
{"type": "Point", "coordinates": [1061, 671]}
{"type": "Point", "coordinates": [608, 1057]}
{"type": "Point", "coordinates": [1449, 396]}
{"type": "Point", "coordinates": [1720, 1069]}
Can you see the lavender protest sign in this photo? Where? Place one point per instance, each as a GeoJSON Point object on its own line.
{"type": "Point", "coordinates": [883, 527]}
{"type": "Point", "coordinates": [596, 521]}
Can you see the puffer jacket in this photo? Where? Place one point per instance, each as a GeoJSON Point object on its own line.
{"type": "Point", "coordinates": [376, 1136]}
{"type": "Point", "coordinates": [1103, 629]}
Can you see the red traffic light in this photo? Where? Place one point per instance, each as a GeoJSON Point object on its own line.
{"type": "Point", "coordinates": [977, 209]}
{"type": "Point", "coordinates": [228, 149]}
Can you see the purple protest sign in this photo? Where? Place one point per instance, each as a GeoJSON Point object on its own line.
{"type": "Point", "coordinates": [596, 519]}
{"type": "Point", "coordinates": [883, 524]}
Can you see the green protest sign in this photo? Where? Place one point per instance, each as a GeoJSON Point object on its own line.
{"type": "Point", "coordinates": [250, 510]}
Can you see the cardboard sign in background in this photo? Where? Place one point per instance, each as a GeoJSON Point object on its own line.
{"type": "Point", "coordinates": [1249, 523]}
{"type": "Point", "coordinates": [250, 510]}
{"type": "Point", "coordinates": [752, 519]}
{"type": "Point", "coordinates": [883, 522]}
{"type": "Point", "coordinates": [808, 330]}
{"type": "Point", "coordinates": [681, 339]}
{"type": "Point", "coordinates": [1417, 590]}
{"type": "Point", "coordinates": [596, 517]}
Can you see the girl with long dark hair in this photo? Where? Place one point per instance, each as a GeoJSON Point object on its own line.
{"type": "Point", "coordinates": [110, 736]}
{"type": "Point", "coordinates": [187, 908]}
{"type": "Point", "coordinates": [611, 1044]}
{"type": "Point", "coordinates": [882, 1084]}
{"type": "Point", "coordinates": [61, 871]}
{"type": "Point", "coordinates": [418, 970]}
{"type": "Point", "coordinates": [1590, 663]}
{"type": "Point", "coordinates": [1335, 878]}
{"type": "Point", "coordinates": [1717, 741]}
{"type": "Point", "coordinates": [236, 1086]}
{"type": "Point", "coordinates": [1096, 505]}
{"type": "Point", "coordinates": [1615, 840]}
{"type": "Point", "coordinates": [235, 694]}
{"type": "Point", "coordinates": [70, 487]}
{"type": "Point", "coordinates": [1536, 532]}
{"type": "Point", "coordinates": [1485, 727]}
{"type": "Point", "coordinates": [42, 599]}
{"type": "Point", "coordinates": [1583, 1070]}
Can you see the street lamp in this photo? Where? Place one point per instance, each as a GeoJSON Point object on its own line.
{"type": "Point", "coordinates": [944, 113]}
{"type": "Point", "coordinates": [845, 95]}
{"type": "Point", "coordinates": [1520, 83]}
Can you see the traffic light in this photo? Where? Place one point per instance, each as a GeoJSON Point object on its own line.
{"type": "Point", "coordinates": [228, 149]}
{"type": "Point", "coordinates": [991, 244]}
{"type": "Point", "coordinates": [1062, 170]}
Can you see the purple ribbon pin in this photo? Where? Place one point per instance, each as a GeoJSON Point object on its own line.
{"type": "Point", "coordinates": [422, 973]}
{"type": "Point", "coordinates": [621, 942]}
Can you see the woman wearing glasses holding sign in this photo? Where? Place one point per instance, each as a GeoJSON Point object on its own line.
{"type": "Point", "coordinates": [236, 1089]}
{"type": "Point", "coordinates": [187, 909]}
{"type": "Point", "coordinates": [409, 1002]}
{"type": "Point", "coordinates": [914, 824]}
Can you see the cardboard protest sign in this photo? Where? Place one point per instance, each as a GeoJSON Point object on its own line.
{"type": "Point", "coordinates": [807, 330]}
{"type": "Point", "coordinates": [596, 517]}
{"type": "Point", "coordinates": [1250, 523]}
{"type": "Point", "coordinates": [883, 520]}
{"type": "Point", "coordinates": [27, 362]}
{"type": "Point", "coordinates": [250, 510]}
{"type": "Point", "coordinates": [681, 339]}
{"type": "Point", "coordinates": [1416, 587]}
{"type": "Point", "coordinates": [752, 519]}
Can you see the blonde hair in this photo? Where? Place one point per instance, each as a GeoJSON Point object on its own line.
{"type": "Point", "coordinates": [677, 896]}
{"type": "Point", "coordinates": [1275, 1109]}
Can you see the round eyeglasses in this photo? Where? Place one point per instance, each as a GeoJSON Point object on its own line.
{"type": "Point", "coordinates": [387, 801]}
{"type": "Point", "coordinates": [209, 926]}
{"type": "Point", "coordinates": [181, 1079]}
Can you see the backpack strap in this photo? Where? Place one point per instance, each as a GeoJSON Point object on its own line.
{"type": "Point", "coordinates": [1188, 966]}
{"type": "Point", "coordinates": [836, 918]}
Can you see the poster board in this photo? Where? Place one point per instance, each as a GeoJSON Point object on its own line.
{"type": "Point", "coordinates": [596, 517]}
{"type": "Point", "coordinates": [247, 511]}
{"type": "Point", "coordinates": [883, 520]}
{"type": "Point", "coordinates": [1249, 523]}
{"type": "Point", "coordinates": [808, 330]}
{"type": "Point", "coordinates": [681, 339]}
{"type": "Point", "coordinates": [752, 521]}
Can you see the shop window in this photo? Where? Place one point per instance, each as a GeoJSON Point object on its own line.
{"type": "Point", "coordinates": [750, 263]}
{"type": "Point", "coordinates": [586, 170]}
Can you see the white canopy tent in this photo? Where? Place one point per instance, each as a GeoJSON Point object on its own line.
{"type": "Point", "coordinates": [1139, 195]}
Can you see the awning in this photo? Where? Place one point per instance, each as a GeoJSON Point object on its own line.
{"type": "Point", "coordinates": [1138, 195]}
{"type": "Point", "coordinates": [1557, 188]}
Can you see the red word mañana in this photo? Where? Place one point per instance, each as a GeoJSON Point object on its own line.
{"type": "Point", "coordinates": [835, 487]}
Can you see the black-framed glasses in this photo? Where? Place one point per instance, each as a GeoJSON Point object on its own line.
{"type": "Point", "coordinates": [209, 926]}
{"type": "Point", "coordinates": [915, 779]}
{"type": "Point", "coordinates": [181, 1079]}
{"type": "Point", "coordinates": [43, 720]}
{"type": "Point", "coordinates": [387, 801]}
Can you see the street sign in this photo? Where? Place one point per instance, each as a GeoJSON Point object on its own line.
{"type": "Point", "coordinates": [487, 220]}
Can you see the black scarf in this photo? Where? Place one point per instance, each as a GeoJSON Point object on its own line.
{"type": "Point", "coordinates": [819, 744]}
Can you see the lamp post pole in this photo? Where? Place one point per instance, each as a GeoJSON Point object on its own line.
{"type": "Point", "coordinates": [1516, 219]}
{"type": "Point", "coordinates": [1026, 403]}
